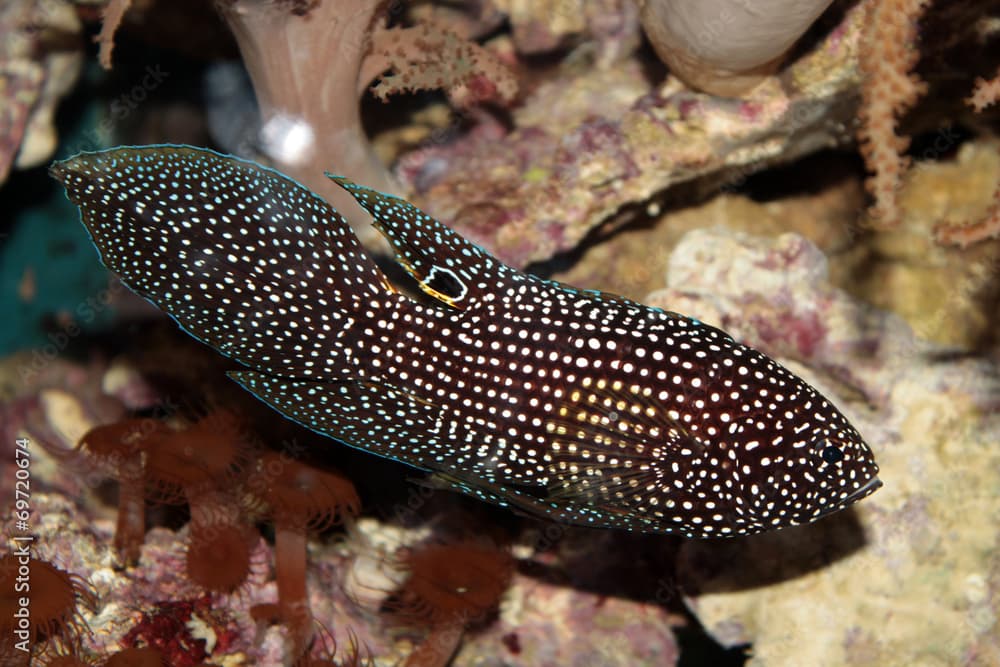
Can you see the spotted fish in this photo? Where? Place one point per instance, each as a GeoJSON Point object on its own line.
{"type": "Point", "coordinates": [578, 405]}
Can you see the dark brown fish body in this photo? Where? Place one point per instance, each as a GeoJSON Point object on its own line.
{"type": "Point", "coordinates": [582, 406]}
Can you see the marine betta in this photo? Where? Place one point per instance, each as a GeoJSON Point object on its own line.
{"type": "Point", "coordinates": [578, 405]}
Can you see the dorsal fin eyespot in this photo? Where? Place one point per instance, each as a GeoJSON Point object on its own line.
{"type": "Point", "coordinates": [448, 267]}
{"type": "Point", "coordinates": [445, 285]}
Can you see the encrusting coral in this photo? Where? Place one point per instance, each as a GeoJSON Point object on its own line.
{"type": "Point", "coordinates": [930, 563]}
{"type": "Point", "coordinates": [608, 30]}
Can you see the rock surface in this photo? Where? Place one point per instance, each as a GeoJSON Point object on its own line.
{"type": "Point", "coordinates": [910, 575]}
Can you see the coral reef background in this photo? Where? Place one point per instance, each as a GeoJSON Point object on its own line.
{"type": "Point", "coordinates": [840, 214]}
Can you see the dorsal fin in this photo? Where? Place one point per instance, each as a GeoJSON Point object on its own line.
{"type": "Point", "coordinates": [447, 266]}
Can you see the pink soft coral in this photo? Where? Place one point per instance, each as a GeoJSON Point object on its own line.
{"type": "Point", "coordinates": [310, 62]}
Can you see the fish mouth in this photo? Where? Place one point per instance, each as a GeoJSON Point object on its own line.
{"type": "Point", "coordinates": [873, 485]}
{"type": "Point", "coordinates": [870, 487]}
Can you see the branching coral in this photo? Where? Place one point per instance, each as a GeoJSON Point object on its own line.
{"type": "Point", "coordinates": [888, 90]}
{"type": "Point", "coordinates": [111, 18]}
{"type": "Point", "coordinates": [967, 234]}
{"type": "Point", "coordinates": [428, 56]}
{"type": "Point", "coordinates": [985, 93]}
{"type": "Point", "coordinates": [310, 62]}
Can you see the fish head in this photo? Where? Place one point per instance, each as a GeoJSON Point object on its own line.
{"type": "Point", "coordinates": [795, 457]}
{"type": "Point", "coordinates": [725, 442]}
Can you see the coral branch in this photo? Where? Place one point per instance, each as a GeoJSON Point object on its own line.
{"type": "Point", "coordinates": [111, 18]}
{"type": "Point", "coordinates": [966, 235]}
{"type": "Point", "coordinates": [985, 93]}
{"type": "Point", "coordinates": [888, 90]}
{"type": "Point", "coordinates": [427, 57]}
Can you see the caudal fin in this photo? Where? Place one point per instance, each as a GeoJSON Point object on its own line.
{"type": "Point", "coordinates": [245, 259]}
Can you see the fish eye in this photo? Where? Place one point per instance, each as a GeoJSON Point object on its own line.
{"type": "Point", "coordinates": [832, 454]}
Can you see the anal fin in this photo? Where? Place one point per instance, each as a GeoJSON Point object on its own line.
{"type": "Point", "coordinates": [376, 417]}
{"type": "Point", "coordinates": [537, 504]}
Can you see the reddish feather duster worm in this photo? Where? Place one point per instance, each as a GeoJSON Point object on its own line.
{"type": "Point", "coordinates": [118, 451]}
{"type": "Point", "coordinates": [54, 597]}
{"type": "Point", "coordinates": [449, 588]}
{"type": "Point", "coordinates": [299, 498]}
